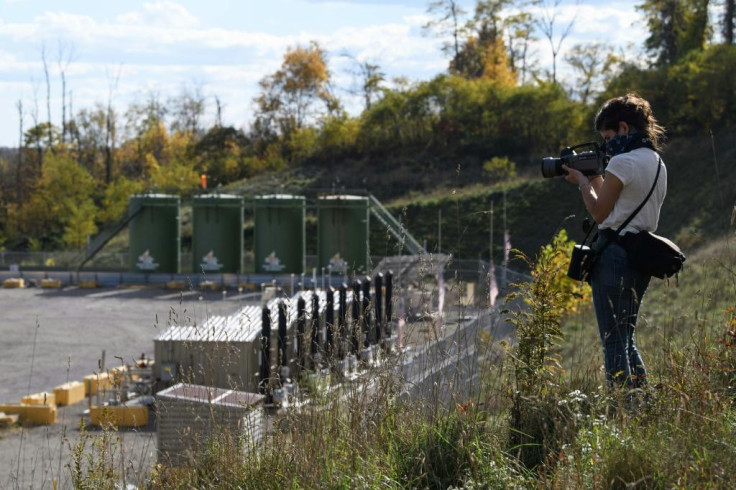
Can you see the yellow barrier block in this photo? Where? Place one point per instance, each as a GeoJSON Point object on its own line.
{"type": "Point", "coordinates": [248, 286]}
{"type": "Point", "coordinates": [43, 398]}
{"type": "Point", "coordinates": [209, 285]}
{"type": "Point", "coordinates": [50, 283]}
{"type": "Point", "coordinates": [69, 393]}
{"type": "Point", "coordinates": [7, 420]}
{"type": "Point", "coordinates": [32, 414]}
{"type": "Point", "coordinates": [14, 282]}
{"type": "Point", "coordinates": [177, 285]}
{"type": "Point", "coordinates": [96, 382]}
{"type": "Point", "coordinates": [119, 415]}
{"type": "Point", "coordinates": [91, 284]}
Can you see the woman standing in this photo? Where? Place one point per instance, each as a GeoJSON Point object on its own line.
{"type": "Point", "coordinates": [632, 139]}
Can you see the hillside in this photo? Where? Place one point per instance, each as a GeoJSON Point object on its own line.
{"type": "Point", "coordinates": [698, 204]}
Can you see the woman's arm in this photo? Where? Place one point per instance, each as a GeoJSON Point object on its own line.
{"type": "Point", "coordinates": [599, 194]}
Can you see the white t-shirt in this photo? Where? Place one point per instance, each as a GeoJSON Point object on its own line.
{"type": "Point", "coordinates": [637, 169]}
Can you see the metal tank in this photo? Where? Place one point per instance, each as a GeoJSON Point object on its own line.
{"type": "Point", "coordinates": [155, 233]}
{"type": "Point", "coordinates": [279, 236]}
{"type": "Point", "coordinates": [342, 233]}
{"type": "Point", "coordinates": [217, 234]}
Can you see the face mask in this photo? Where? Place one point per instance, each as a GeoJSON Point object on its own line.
{"type": "Point", "coordinates": [618, 143]}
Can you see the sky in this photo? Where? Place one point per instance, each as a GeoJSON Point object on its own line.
{"type": "Point", "coordinates": [129, 50]}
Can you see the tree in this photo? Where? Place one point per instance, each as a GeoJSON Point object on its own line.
{"type": "Point", "coordinates": [369, 80]}
{"type": "Point", "coordinates": [448, 20]}
{"type": "Point", "coordinates": [519, 35]}
{"type": "Point", "coordinates": [548, 24]}
{"type": "Point", "coordinates": [187, 110]}
{"type": "Point", "coordinates": [289, 96]}
{"type": "Point", "coordinates": [591, 62]}
{"type": "Point", "coordinates": [676, 27]}
{"type": "Point", "coordinates": [727, 22]}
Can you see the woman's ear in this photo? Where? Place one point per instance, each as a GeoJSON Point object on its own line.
{"type": "Point", "coordinates": [623, 127]}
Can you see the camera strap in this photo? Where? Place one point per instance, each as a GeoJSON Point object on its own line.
{"type": "Point", "coordinates": [633, 214]}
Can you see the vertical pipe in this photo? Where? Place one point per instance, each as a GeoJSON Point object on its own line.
{"type": "Point", "coordinates": [283, 357]}
{"type": "Point", "coordinates": [265, 349]}
{"type": "Point", "coordinates": [330, 321]}
{"type": "Point", "coordinates": [315, 326]}
{"type": "Point", "coordinates": [341, 327]}
{"type": "Point", "coordinates": [378, 306]}
{"type": "Point", "coordinates": [301, 326]}
{"type": "Point", "coordinates": [355, 337]}
{"type": "Point", "coordinates": [365, 319]}
{"type": "Point", "coordinates": [389, 299]}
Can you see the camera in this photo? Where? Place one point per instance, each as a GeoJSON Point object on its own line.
{"type": "Point", "coordinates": [590, 162]}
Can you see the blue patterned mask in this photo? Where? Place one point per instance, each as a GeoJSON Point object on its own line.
{"type": "Point", "coordinates": [619, 143]}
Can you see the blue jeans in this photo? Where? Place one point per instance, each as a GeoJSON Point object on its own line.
{"type": "Point", "coordinates": [617, 293]}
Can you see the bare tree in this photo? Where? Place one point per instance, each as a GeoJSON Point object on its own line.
{"type": "Point", "coordinates": [520, 34]}
{"type": "Point", "coordinates": [729, 16]}
{"type": "Point", "coordinates": [48, 98]}
{"type": "Point", "coordinates": [112, 85]}
{"type": "Point", "coordinates": [547, 25]}
{"type": "Point", "coordinates": [448, 20]}
{"type": "Point", "coordinates": [18, 170]}
{"type": "Point", "coordinates": [187, 110]}
{"type": "Point", "coordinates": [591, 62]}
{"type": "Point", "coordinates": [218, 119]}
{"type": "Point", "coordinates": [367, 78]}
{"type": "Point", "coordinates": [64, 58]}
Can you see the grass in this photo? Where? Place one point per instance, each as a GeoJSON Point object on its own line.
{"type": "Point", "coordinates": [541, 417]}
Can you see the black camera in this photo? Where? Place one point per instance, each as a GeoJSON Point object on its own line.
{"type": "Point", "coordinates": [590, 162]}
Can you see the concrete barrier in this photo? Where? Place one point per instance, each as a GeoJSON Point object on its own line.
{"type": "Point", "coordinates": [119, 415]}
{"type": "Point", "coordinates": [91, 284]}
{"type": "Point", "coordinates": [177, 285]}
{"type": "Point", "coordinates": [32, 414]}
{"type": "Point", "coordinates": [69, 393]}
{"type": "Point", "coordinates": [43, 398]}
{"type": "Point", "coordinates": [95, 383]}
{"type": "Point", "coordinates": [14, 283]}
{"type": "Point", "coordinates": [50, 283]}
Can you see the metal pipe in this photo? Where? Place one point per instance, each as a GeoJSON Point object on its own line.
{"type": "Point", "coordinates": [330, 321]}
{"type": "Point", "coordinates": [301, 326]}
{"type": "Point", "coordinates": [282, 354]}
{"type": "Point", "coordinates": [378, 307]}
{"type": "Point", "coordinates": [315, 326]}
{"type": "Point", "coordinates": [356, 317]}
{"type": "Point", "coordinates": [389, 300]}
{"type": "Point", "coordinates": [265, 349]}
{"type": "Point", "coordinates": [341, 322]}
{"type": "Point", "coordinates": [365, 319]}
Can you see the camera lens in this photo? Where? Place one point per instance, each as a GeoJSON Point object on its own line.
{"type": "Point", "coordinates": [552, 167]}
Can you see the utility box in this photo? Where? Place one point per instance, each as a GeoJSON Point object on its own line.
{"type": "Point", "coordinates": [155, 234]}
{"type": "Point", "coordinates": [279, 236]}
{"type": "Point", "coordinates": [191, 417]}
{"type": "Point", "coordinates": [342, 234]}
{"type": "Point", "coordinates": [217, 238]}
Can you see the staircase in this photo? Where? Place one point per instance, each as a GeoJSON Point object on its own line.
{"type": "Point", "coordinates": [395, 228]}
{"type": "Point", "coordinates": [105, 236]}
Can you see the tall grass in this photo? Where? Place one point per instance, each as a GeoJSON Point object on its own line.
{"type": "Point", "coordinates": [542, 417]}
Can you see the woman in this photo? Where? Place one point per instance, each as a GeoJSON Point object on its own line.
{"type": "Point", "coordinates": [632, 139]}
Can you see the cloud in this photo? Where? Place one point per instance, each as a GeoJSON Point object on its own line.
{"type": "Point", "coordinates": [160, 13]}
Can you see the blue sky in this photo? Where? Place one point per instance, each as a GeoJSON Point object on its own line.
{"type": "Point", "coordinates": [225, 47]}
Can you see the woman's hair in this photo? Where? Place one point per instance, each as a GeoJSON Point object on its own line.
{"type": "Point", "coordinates": [634, 111]}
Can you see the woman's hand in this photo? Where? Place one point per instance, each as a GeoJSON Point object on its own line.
{"type": "Point", "coordinates": [574, 176]}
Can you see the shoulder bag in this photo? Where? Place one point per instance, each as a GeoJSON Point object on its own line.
{"type": "Point", "coordinates": [648, 253]}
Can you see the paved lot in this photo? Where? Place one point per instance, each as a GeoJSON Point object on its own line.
{"type": "Point", "coordinates": [48, 337]}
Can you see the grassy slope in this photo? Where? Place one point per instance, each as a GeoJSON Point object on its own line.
{"type": "Point", "coordinates": [698, 204]}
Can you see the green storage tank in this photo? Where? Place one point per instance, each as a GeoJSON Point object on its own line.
{"type": "Point", "coordinates": [217, 234]}
{"type": "Point", "coordinates": [154, 233]}
{"type": "Point", "coordinates": [342, 236]}
{"type": "Point", "coordinates": [279, 235]}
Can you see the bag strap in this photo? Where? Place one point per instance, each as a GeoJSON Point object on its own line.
{"type": "Point", "coordinates": [636, 211]}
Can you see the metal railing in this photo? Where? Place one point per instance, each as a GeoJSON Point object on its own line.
{"type": "Point", "coordinates": [395, 228]}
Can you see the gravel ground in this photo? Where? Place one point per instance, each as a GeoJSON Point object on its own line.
{"type": "Point", "coordinates": [49, 337]}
